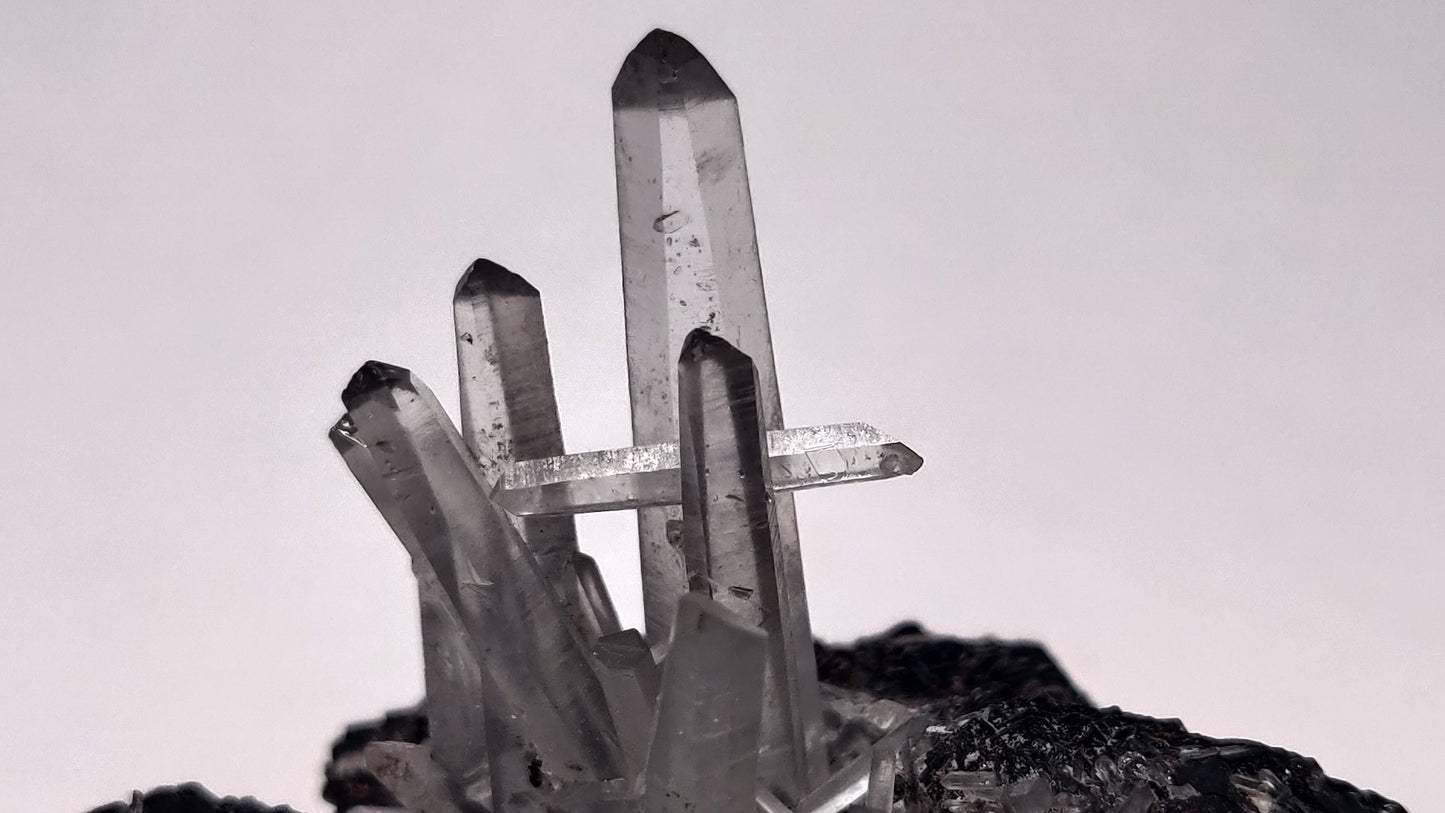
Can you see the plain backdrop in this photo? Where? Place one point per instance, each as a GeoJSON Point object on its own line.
{"type": "Point", "coordinates": [1156, 289]}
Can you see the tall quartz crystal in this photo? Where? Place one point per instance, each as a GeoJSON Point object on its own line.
{"type": "Point", "coordinates": [449, 661]}
{"type": "Point", "coordinates": [705, 749]}
{"type": "Point", "coordinates": [540, 679]}
{"type": "Point", "coordinates": [690, 260]}
{"type": "Point", "coordinates": [732, 548]}
{"type": "Point", "coordinates": [509, 413]}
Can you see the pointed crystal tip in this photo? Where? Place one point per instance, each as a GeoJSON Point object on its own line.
{"type": "Point", "coordinates": [373, 376]}
{"type": "Point", "coordinates": [700, 345]}
{"type": "Point", "coordinates": [665, 62]}
{"type": "Point", "coordinates": [485, 277]}
{"type": "Point", "coordinates": [665, 47]}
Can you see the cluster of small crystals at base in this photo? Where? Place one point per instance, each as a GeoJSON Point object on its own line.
{"type": "Point", "coordinates": [537, 699]}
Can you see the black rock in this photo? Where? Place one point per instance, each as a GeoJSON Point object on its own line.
{"type": "Point", "coordinates": [348, 783]}
{"type": "Point", "coordinates": [1094, 760]}
{"type": "Point", "coordinates": [1012, 735]}
{"type": "Point", "coordinates": [909, 665]}
{"type": "Point", "coordinates": [188, 798]}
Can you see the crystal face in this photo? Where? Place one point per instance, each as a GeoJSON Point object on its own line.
{"type": "Point", "coordinates": [538, 700]}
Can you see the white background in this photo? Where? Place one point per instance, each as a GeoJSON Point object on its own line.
{"type": "Point", "coordinates": [1157, 292]}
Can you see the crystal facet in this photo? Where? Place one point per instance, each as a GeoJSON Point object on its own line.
{"type": "Point", "coordinates": [732, 548]}
{"type": "Point", "coordinates": [630, 679]}
{"type": "Point", "coordinates": [705, 749]}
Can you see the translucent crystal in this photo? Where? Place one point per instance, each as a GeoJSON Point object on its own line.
{"type": "Point", "coordinates": [407, 770]}
{"type": "Point", "coordinates": [540, 681]}
{"type": "Point", "coordinates": [839, 791]}
{"type": "Point", "coordinates": [639, 476]}
{"type": "Point", "coordinates": [689, 260]}
{"type": "Point", "coordinates": [891, 756]}
{"type": "Point", "coordinates": [630, 679]}
{"type": "Point", "coordinates": [589, 596]}
{"type": "Point", "coordinates": [704, 756]}
{"type": "Point", "coordinates": [732, 548]}
{"type": "Point", "coordinates": [509, 407]}
{"type": "Point", "coordinates": [453, 677]}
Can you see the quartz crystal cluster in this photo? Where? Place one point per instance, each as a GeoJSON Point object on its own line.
{"type": "Point", "coordinates": [536, 698]}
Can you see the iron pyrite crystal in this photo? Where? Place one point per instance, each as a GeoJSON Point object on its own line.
{"type": "Point", "coordinates": [537, 700]}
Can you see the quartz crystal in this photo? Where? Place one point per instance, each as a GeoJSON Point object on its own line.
{"type": "Point", "coordinates": [640, 476]}
{"type": "Point", "coordinates": [730, 544]}
{"type": "Point", "coordinates": [538, 699]}
{"type": "Point", "coordinates": [509, 413]}
{"type": "Point", "coordinates": [704, 756]}
{"type": "Point", "coordinates": [690, 260]}
{"type": "Point", "coordinates": [539, 679]}
{"type": "Point", "coordinates": [453, 678]}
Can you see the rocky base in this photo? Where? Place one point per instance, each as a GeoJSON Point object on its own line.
{"type": "Point", "coordinates": [1011, 734]}
{"type": "Point", "coordinates": [188, 798]}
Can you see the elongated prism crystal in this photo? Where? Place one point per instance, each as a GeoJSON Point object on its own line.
{"type": "Point", "coordinates": [841, 790]}
{"type": "Point", "coordinates": [449, 661]}
{"type": "Point", "coordinates": [589, 596]}
{"type": "Point", "coordinates": [640, 476]}
{"type": "Point", "coordinates": [768, 803]}
{"type": "Point", "coordinates": [891, 755]}
{"type": "Point", "coordinates": [509, 407]}
{"type": "Point", "coordinates": [630, 678]}
{"type": "Point", "coordinates": [732, 548]}
{"type": "Point", "coordinates": [689, 260]}
{"type": "Point", "coordinates": [705, 749]}
{"type": "Point", "coordinates": [539, 678]}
